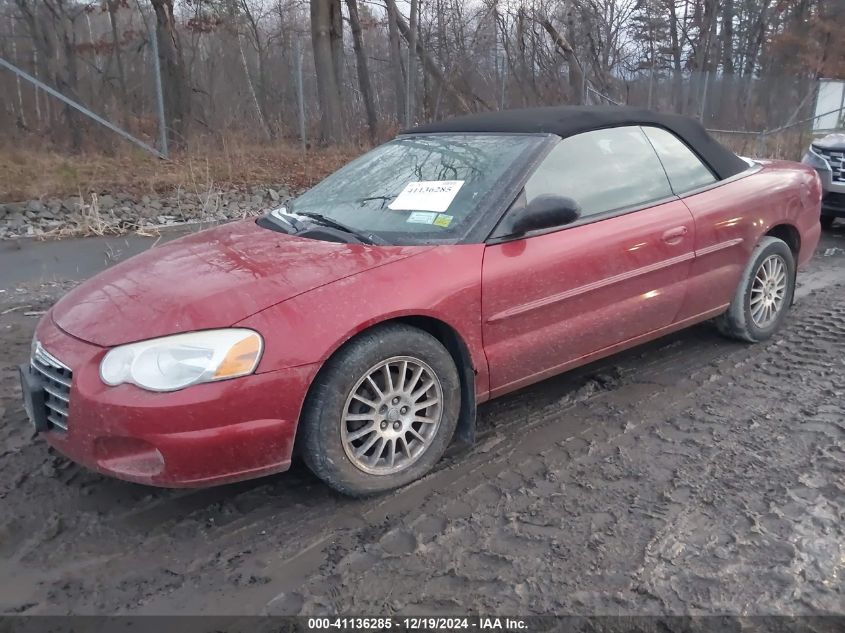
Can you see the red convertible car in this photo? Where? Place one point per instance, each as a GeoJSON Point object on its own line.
{"type": "Point", "coordinates": [363, 323]}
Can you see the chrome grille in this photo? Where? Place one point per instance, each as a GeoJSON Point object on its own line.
{"type": "Point", "coordinates": [56, 378]}
{"type": "Point", "coordinates": [836, 158]}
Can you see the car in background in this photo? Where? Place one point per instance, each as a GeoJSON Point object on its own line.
{"type": "Point", "coordinates": [827, 156]}
{"type": "Point", "coordinates": [361, 324]}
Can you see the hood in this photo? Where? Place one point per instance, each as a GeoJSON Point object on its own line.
{"type": "Point", "coordinates": [211, 279]}
{"type": "Point", "coordinates": [831, 141]}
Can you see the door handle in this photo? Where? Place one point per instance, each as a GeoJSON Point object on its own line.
{"type": "Point", "coordinates": [673, 236]}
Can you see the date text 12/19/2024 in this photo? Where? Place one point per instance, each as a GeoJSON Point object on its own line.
{"type": "Point", "coordinates": [417, 624]}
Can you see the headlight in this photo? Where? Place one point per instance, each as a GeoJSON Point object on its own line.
{"type": "Point", "coordinates": [175, 362]}
{"type": "Point", "coordinates": [814, 159]}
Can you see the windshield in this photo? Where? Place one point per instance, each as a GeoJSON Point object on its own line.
{"type": "Point", "coordinates": [417, 189]}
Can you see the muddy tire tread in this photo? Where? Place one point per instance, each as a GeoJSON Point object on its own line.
{"type": "Point", "coordinates": [321, 450]}
{"type": "Point", "coordinates": [735, 322]}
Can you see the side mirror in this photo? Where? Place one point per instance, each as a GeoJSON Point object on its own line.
{"type": "Point", "coordinates": [544, 212]}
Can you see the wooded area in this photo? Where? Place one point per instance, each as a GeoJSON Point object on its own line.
{"type": "Point", "coordinates": [339, 71]}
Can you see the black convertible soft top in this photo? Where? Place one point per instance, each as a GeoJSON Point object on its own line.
{"type": "Point", "coordinates": [570, 120]}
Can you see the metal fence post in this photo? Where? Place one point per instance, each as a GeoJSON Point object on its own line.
{"type": "Point", "coordinates": [650, 84]}
{"type": "Point", "coordinates": [21, 113]}
{"type": "Point", "coordinates": [704, 97]}
{"type": "Point", "coordinates": [162, 121]}
{"type": "Point", "coordinates": [300, 96]}
{"type": "Point", "coordinates": [761, 144]}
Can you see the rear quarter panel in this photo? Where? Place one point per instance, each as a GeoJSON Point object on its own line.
{"type": "Point", "coordinates": [730, 220]}
{"type": "Point", "coordinates": [443, 283]}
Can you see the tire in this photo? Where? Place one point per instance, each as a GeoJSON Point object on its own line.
{"type": "Point", "coordinates": [330, 442]}
{"type": "Point", "coordinates": [827, 221]}
{"type": "Point", "coordinates": [743, 321]}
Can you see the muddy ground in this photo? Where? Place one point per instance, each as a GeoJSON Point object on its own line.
{"type": "Point", "coordinates": [692, 475]}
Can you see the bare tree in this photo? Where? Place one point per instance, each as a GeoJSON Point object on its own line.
{"type": "Point", "coordinates": [576, 77]}
{"type": "Point", "coordinates": [112, 6]}
{"type": "Point", "coordinates": [245, 67]}
{"type": "Point", "coordinates": [412, 64]}
{"type": "Point", "coordinates": [259, 88]}
{"type": "Point", "coordinates": [177, 91]}
{"type": "Point", "coordinates": [363, 71]}
{"type": "Point", "coordinates": [328, 90]}
{"type": "Point", "coordinates": [464, 99]}
{"type": "Point", "coordinates": [396, 58]}
{"type": "Point", "coordinates": [51, 24]}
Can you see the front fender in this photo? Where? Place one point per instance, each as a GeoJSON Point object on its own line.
{"type": "Point", "coordinates": [443, 284]}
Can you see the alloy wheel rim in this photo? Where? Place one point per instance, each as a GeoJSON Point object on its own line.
{"type": "Point", "coordinates": [768, 291]}
{"type": "Point", "coordinates": [392, 415]}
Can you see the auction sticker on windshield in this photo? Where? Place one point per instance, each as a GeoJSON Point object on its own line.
{"type": "Point", "coordinates": [427, 195]}
{"type": "Point", "coordinates": [421, 217]}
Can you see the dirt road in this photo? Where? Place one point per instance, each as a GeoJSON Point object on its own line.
{"type": "Point", "coordinates": [692, 475]}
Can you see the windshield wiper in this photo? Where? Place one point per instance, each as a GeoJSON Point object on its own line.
{"type": "Point", "coordinates": [327, 221]}
{"type": "Point", "coordinates": [278, 219]}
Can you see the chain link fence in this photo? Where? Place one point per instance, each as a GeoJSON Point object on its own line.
{"type": "Point", "coordinates": [768, 117]}
{"type": "Point", "coordinates": [244, 89]}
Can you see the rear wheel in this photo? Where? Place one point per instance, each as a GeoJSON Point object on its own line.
{"type": "Point", "coordinates": [764, 293]}
{"type": "Point", "coordinates": [827, 221]}
{"type": "Point", "coordinates": [382, 411]}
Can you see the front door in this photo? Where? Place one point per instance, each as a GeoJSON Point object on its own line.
{"type": "Point", "coordinates": [619, 272]}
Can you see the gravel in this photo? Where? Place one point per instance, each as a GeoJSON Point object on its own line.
{"type": "Point", "coordinates": [121, 212]}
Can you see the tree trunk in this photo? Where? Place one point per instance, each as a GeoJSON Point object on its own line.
{"type": "Point", "coordinates": [728, 37]}
{"type": "Point", "coordinates": [255, 99]}
{"type": "Point", "coordinates": [177, 93]}
{"type": "Point", "coordinates": [327, 88]}
{"type": "Point", "coordinates": [68, 82]}
{"type": "Point", "coordinates": [755, 40]}
{"type": "Point", "coordinates": [338, 54]}
{"type": "Point", "coordinates": [45, 57]}
{"type": "Point", "coordinates": [576, 77]}
{"type": "Point", "coordinates": [434, 69]}
{"type": "Point", "coordinates": [396, 57]}
{"type": "Point", "coordinates": [727, 101]}
{"type": "Point", "coordinates": [523, 59]}
{"type": "Point", "coordinates": [363, 72]}
{"type": "Point", "coordinates": [112, 6]}
{"type": "Point", "coordinates": [259, 88]}
{"type": "Point", "coordinates": [676, 57]}
{"type": "Point", "coordinates": [412, 64]}
{"type": "Point", "coordinates": [21, 113]}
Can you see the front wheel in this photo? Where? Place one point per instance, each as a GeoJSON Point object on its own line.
{"type": "Point", "coordinates": [382, 411]}
{"type": "Point", "coordinates": [764, 293]}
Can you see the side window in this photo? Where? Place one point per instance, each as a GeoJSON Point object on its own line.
{"type": "Point", "coordinates": [602, 170]}
{"type": "Point", "coordinates": [685, 170]}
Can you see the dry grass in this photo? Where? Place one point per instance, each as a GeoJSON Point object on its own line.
{"type": "Point", "coordinates": [788, 144]}
{"type": "Point", "coordinates": [29, 173]}
{"type": "Point", "coordinates": [89, 222]}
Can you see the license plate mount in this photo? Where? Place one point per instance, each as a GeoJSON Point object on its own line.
{"type": "Point", "coordinates": [33, 399]}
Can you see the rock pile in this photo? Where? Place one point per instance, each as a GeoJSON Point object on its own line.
{"type": "Point", "coordinates": [116, 212]}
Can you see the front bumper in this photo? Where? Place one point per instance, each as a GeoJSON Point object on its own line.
{"type": "Point", "coordinates": [833, 203]}
{"type": "Point", "coordinates": [833, 194]}
{"type": "Point", "coordinates": [204, 435]}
